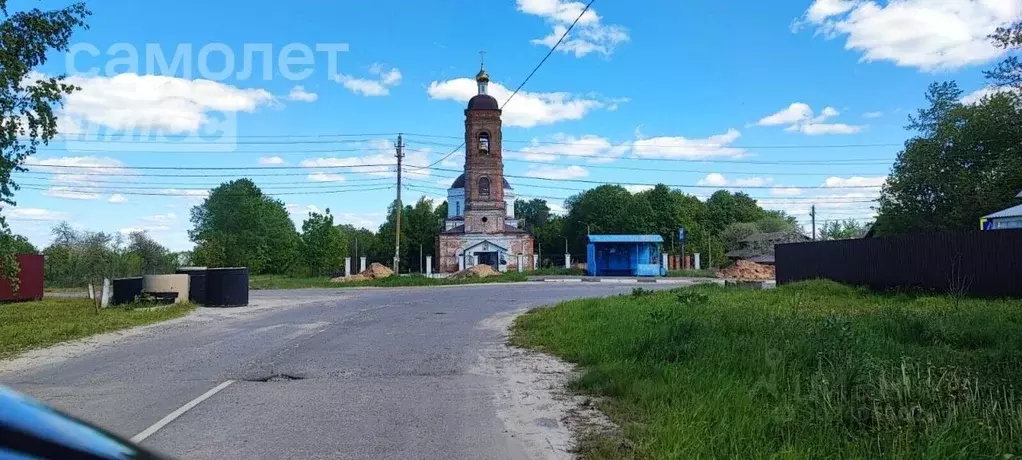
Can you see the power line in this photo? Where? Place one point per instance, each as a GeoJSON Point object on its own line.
{"type": "Point", "coordinates": [531, 74]}
{"type": "Point", "coordinates": [208, 168]}
{"type": "Point", "coordinates": [197, 196]}
{"type": "Point", "coordinates": [632, 168]}
{"type": "Point", "coordinates": [719, 187]}
{"type": "Point", "coordinates": [125, 186]}
{"type": "Point", "coordinates": [689, 147]}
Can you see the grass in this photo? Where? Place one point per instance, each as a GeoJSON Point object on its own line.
{"type": "Point", "coordinates": [286, 282]}
{"type": "Point", "coordinates": [691, 274]}
{"type": "Point", "coordinates": [28, 325]}
{"type": "Point", "coordinates": [811, 370]}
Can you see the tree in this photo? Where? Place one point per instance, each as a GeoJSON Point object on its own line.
{"type": "Point", "coordinates": [1009, 71]}
{"type": "Point", "coordinates": [360, 241]}
{"type": "Point", "coordinates": [724, 208]}
{"type": "Point", "coordinates": [148, 256]}
{"type": "Point", "coordinates": [606, 209]}
{"type": "Point", "coordinates": [736, 232]}
{"type": "Point", "coordinates": [237, 225]}
{"type": "Point", "coordinates": [323, 246]}
{"type": "Point", "coordinates": [965, 163]}
{"type": "Point", "coordinates": [27, 98]}
{"type": "Point", "coordinates": [531, 214]}
{"type": "Point", "coordinates": [843, 230]}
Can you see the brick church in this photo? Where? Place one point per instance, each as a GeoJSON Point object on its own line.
{"type": "Point", "coordinates": [478, 229]}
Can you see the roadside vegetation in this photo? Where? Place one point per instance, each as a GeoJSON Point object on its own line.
{"type": "Point", "coordinates": [691, 274]}
{"type": "Point", "coordinates": [29, 325]}
{"type": "Point", "coordinates": [811, 370]}
{"type": "Point", "coordinates": [287, 282]}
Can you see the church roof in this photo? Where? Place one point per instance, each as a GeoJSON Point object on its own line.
{"type": "Point", "coordinates": [483, 102]}
{"type": "Point", "coordinates": [460, 183]}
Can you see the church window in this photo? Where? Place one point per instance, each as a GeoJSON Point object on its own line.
{"type": "Point", "coordinates": [484, 143]}
{"type": "Point", "coordinates": [484, 186]}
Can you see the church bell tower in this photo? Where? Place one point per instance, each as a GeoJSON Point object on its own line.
{"type": "Point", "coordinates": [485, 209]}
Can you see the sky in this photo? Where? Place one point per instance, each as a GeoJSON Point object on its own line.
{"type": "Point", "coordinates": [795, 102]}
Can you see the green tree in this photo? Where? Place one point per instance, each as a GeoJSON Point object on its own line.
{"type": "Point", "coordinates": [27, 98]}
{"type": "Point", "coordinates": [237, 225]}
{"type": "Point", "coordinates": [149, 257]}
{"type": "Point", "coordinates": [531, 214]}
{"type": "Point", "coordinates": [733, 234]}
{"type": "Point", "coordinates": [724, 208]}
{"type": "Point", "coordinates": [1009, 71]}
{"type": "Point", "coordinates": [323, 245]}
{"type": "Point", "coordinates": [606, 209]}
{"type": "Point", "coordinates": [965, 163]}
{"type": "Point", "coordinates": [360, 242]}
{"type": "Point", "coordinates": [843, 230]}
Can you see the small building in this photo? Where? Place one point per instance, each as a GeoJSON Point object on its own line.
{"type": "Point", "coordinates": [625, 255]}
{"type": "Point", "coordinates": [1002, 220]}
{"type": "Point", "coordinates": [759, 247]}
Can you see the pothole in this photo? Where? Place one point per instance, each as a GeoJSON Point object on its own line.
{"type": "Point", "coordinates": [276, 378]}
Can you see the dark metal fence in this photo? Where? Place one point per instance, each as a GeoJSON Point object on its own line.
{"type": "Point", "coordinates": [977, 263]}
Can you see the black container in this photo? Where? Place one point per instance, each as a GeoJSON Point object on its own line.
{"type": "Point", "coordinates": [226, 287]}
{"type": "Point", "coordinates": [126, 290]}
{"type": "Point", "coordinates": [196, 283]}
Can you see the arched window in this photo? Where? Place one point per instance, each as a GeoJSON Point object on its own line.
{"type": "Point", "coordinates": [484, 143]}
{"type": "Point", "coordinates": [457, 208]}
{"type": "Point", "coordinates": [484, 186]}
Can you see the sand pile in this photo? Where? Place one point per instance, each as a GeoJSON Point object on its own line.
{"type": "Point", "coordinates": [745, 270]}
{"type": "Point", "coordinates": [374, 272]}
{"type": "Point", "coordinates": [478, 271]}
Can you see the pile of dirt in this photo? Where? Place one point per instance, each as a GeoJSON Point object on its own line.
{"type": "Point", "coordinates": [745, 270]}
{"type": "Point", "coordinates": [374, 272]}
{"type": "Point", "coordinates": [478, 271]}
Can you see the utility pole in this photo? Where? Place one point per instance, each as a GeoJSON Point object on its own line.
{"type": "Point", "coordinates": [400, 146]}
{"type": "Point", "coordinates": [422, 269]}
{"type": "Point", "coordinates": [812, 213]}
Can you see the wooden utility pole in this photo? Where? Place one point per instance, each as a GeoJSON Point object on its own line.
{"type": "Point", "coordinates": [400, 146]}
{"type": "Point", "coordinates": [812, 213]}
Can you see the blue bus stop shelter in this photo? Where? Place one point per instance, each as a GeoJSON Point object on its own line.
{"type": "Point", "coordinates": [625, 255]}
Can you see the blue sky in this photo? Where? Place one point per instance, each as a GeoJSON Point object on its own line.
{"type": "Point", "coordinates": [714, 94]}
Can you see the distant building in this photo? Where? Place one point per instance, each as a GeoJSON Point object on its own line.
{"type": "Point", "coordinates": [1002, 220]}
{"type": "Point", "coordinates": [625, 255]}
{"type": "Point", "coordinates": [759, 247]}
{"type": "Point", "coordinates": [478, 230]}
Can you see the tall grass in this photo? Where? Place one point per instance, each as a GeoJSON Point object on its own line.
{"type": "Point", "coordinates": [813, 370]}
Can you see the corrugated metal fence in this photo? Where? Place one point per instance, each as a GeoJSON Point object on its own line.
{"type": "Point", "coordinates": [978, 263]}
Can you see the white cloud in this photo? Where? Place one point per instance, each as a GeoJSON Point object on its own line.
{"type": "Point", "coordinates": [638, 188]}
{"type": "Point", "coordinates": [84, 170]}
{"type": "Point", "coordinates": [299, 94]}
{"type": "Point", "coordinates": [379, 86]}
{"type": "Point", "coordinates": [189, 194]}
{"type": "Point", "coordinates": [680, 147]}
{"type": "Point", "coordinates": [589, 35]}
{"type": "Point", "coordinates": [987, 91]}
{"type": "Point", "coordinates": [597, 149]}
{"type": "Point", "coordinates": [158, 223]}
{"type": "Point", "coordinates": [117, 198]}
{"type": "Point", "coordinates": [716, 179]}
{"type": "Point", "coordinates": [785, 191]}
{"type": "Point", "coordinates": [753, 181]}
{"type": "Point", "coordinates": [71, 194]}
{"type": "Point", "coordinates": [872, 115]}
{"type": "Point", "coordinates": [368, 220]}
{"type": "Point", "coordinates": [926, 34]}
{"type": "Point", "coordinates": [527, 109]}
{"type": "Point", "coordinates": [381, 163]}
{"type": "Point", "coordinates": [326, 177]}
{"type": "Point", "coordinates": [557, 172]}
{"type": "Point", "coordinates": [144, 103]}
{"type": "Point", "coordinates": [800, 117]}
{"type": "Point", "coordinates": [36, 214]}
{"type": "Point", "coordinates": [836, 182]}
{"type": "Point", "coordinates": [557, 208]}
{"type": "Point", "coordinates": [272, 161]}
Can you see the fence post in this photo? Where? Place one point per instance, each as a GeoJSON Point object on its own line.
{"type": "Point", "coordinates": [363, 266]}
{"type": "Point", "coordinates": [664, 258]}
{"type": "Point", "coordinates": [92, 292]}
{"type": "Point", "coordinates": [697, 266]}
{"type": "Point", "coordinates": [521, 263]}
{"type": "Point", "coordinates": [429, 266]}
{"type": "Point", "coordinates": [107, 292]}
{"type": "Point", "coordinates": [567, 261]}
{"type": "Point", "coordinates": [535, 262]}
{"type": "Point", "coordinates": [347, 266]}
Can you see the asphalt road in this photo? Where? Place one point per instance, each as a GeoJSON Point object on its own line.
{"type": "Point", "coordinates": [379, 374]}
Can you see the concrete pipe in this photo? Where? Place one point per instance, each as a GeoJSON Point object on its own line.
{"type": "Point", "coordinates": [167, 284]}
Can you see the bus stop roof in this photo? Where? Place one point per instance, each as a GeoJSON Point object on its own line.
{"type": "Point", "coordinates": [626, 239]}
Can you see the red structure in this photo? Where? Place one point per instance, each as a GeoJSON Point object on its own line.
{"type": "Point", "coordinates": [31, 277]}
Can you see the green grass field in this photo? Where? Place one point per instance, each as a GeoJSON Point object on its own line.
{"type": "Point", "coordinates": [286, 282]}
{"type": "Point", "coordinates": [691, 274]}
{"type": "Point", "coordinates": [812, 370]}
{"type": "Point", "coordinates": [28, 325]}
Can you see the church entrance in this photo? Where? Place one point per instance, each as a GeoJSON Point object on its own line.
{"type": "Point", "coordinates": [489, 258]}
